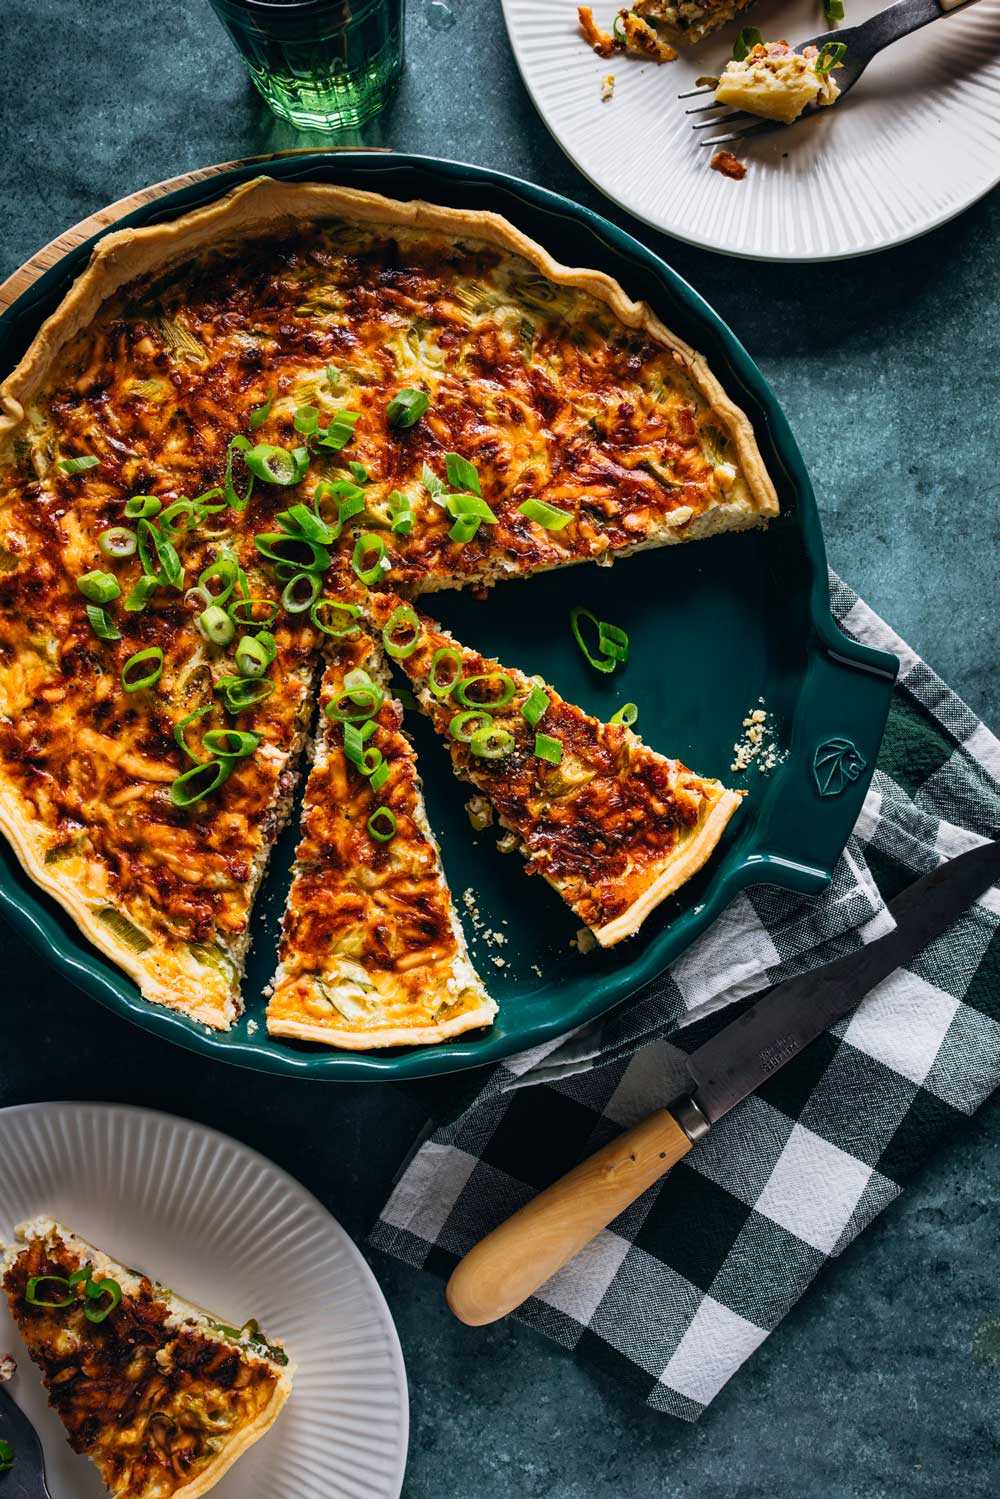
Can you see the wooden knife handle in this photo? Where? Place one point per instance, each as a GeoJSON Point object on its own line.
{"type": "Point", "coordinates": [511, 1263]}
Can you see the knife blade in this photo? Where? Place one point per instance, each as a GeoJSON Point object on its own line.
{"type": "Point", "coordinates": [513, 1261]}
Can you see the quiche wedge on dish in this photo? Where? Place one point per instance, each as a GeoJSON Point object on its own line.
{"type": "Point", "coordinates": [372, 951]}
{"type": "Point", "coordinates": [161, 1398]}
{"type": "Point", "coordinates": [611, 825]}
{"type": "Point", "coordinates": [223, 406]}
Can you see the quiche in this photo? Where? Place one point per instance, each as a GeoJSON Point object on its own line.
{"type": "Point", "coordinates": [685, 22]}
{"type": "Point", "coordinates": [610, 824]}
{"type": "Point", "coordinates": [372, 952]}
{"type": "Point", "coordinates": [161, 1397]}
{"type": "Point", "coordinates": [222, 408]}
{"type": "Point", "coordinates": [778, 84]}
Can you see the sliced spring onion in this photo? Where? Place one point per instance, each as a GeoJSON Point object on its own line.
{"type": "Point", "coordinates": [142, 507]}
{"type": "Point", "coordinates": [359, 471]}
{"type": "Point", "coordinates": [493, 743]}
{"type": "Point", "coordinates": [368, 544]}
{"type": "Point", "coordinates": [833, 10]}
{"type": "Point", "coordinates": [117, 542]}
{"type": "Point", "coordinates": [627, 714]}
{"type": "Point", "coordinates": [152, 659]}
{"type": "Point", "coordinates": [275, 465]}
{"type": "Point", "coordinates": [535, 705]}
{"type": "Point", "coordinates": [231, 744]}
{"type": "Point", "coordinates": [339, 432]}
{"type": "Point", "coordinates": [359, 699]}
{"type": "Point", "coordinates": [78, 465]}
{"type": "Point", "coordinates": [202, 500]}
{"type": "Point", "coordinates": [233, 498]}
{"type": "Point", "coordinates": [198, 782]}
{"type": "Point", "coordinates": [332, 374]}
{"type": "Point", "coordinates": [244, 611]}
{"type": "Point", "coordinates": [379, 776]}
{"type": "Point", "coordinates": [275, 544]}
{"type": "Point", "coordinates": [402, 513]}
{"type": "Point", "coordinates": [549, 516]}
{"type": "Point", "coordinates": [341, 629]}
{"type": "Point", "coordinates": [750, 37]}
{"type": "Point", "coordinates": [435, 487]}
{"type": "Point", "coordinates": [158, 556]}
{"type": "Point", "coordinates": [368, 761]}
{"type": "Point", "coordinates": [382, 824]}
{"type": "Point", "coordinates": [507, 690]}
{"type": "Point", "coordinates": [464, 529]}
{"type": "Point", "coordinates": [181, 515]}
{"type": "Point", "coordinates": [141, 594]}
{"type": "Point", "coordinates": [549, 749]}
{"type": "Point", "coordinates": [99, 587]}
{"type": "Point", "coordinates": [96, 1290]}
{"type": "Point", "coordinates": [252, 657]}
{"type": "Point", "coordinates": [465, 726]}
{"type": "Point", "coordinates": [305, 419]}
{"type": "Point", "coordinates": [469, 506]}
{"type": "Point", "coordinates": [225, 569]}
{"type": "Point", "coordinates": [268, 645]}
{"type": "Point", "coordinates": [461, 473]}
{"type": "Point", "coordinates": [100, 624]}
{"type": "Point", "coordinates": [300, 592]}
{"type": "Point", "coordinates": [830, 54]}
{"type": "Point", "coordinates": [260, 415]}
{"type": "Point", "coordinates": [299, 520]}
{"type": "Point", "coordinates": [32, 1297]}
{"type": "Point", "coordinates": [612, 642]}
{"type": "Point", "coordinates": [403, 618]}
{"type": "Point", "coordinates": [239, 693]}
{"type": "Point", "coordinates": [442, 686]}
{"type": "Point", "coordinates": [215, 626]}
{"type": "Point", "coordinates": [406, 407]}
{"type": "Point", "coordinates": [180, 727]}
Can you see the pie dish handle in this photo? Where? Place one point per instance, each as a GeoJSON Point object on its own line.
{"type": "Point", "coordinates": [832, 754]}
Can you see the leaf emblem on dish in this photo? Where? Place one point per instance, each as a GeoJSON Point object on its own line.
{"type": "Point", "coordinates": [836, 763]}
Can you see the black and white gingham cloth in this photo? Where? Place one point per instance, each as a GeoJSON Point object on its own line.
{"type": "Point", "coordinates": [796, 1171]}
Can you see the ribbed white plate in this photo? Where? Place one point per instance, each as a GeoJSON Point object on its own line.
{"type": "Point", "coordinates": [915, 142]}
{"type": "Point", "coordinates": [232, 1232]}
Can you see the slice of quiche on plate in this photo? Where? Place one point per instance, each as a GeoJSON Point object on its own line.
{"type": "Point", "coordinates": [613, 826]}
{"type": "Point", "coordinates": [372, 951]}
{"type": "Point", "coordinates": [161, 1397]}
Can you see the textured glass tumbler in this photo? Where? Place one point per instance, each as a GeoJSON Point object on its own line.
{"type": "Point", "coordinates": [320, 64]}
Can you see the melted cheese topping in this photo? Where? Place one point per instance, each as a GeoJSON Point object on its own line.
{"type": "Point", "coordinates": [372, 952]}
{"type": "Point", "coordinates": [604, 824]}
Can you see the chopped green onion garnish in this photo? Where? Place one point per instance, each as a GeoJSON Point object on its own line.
{"type": "Point", "coordinates": [300, 592]}
{"type": "Point", "coordinates": [359, 471]}
{"type": "Point", "coordinates": [142, 506]}
{"type": "Point", "coordinates": [507, 690]}
{"type": "Point", "coordinates": [830, 54]}
{"type": "Point", "coordinates": [342, 629]}
{"type": "Point", "coordinates": [750, 37]}
{"type": "Point", "coordinates": [198, 782]}
{"type": "Point", "coordinates": [187, 512]}
{"type": "Point", "coordinates": [244, 611]}
{"type": "Point", "coordinates": [225, 568]}
{"type": "Point", "coordinates": [306, 420]}
{"type": "Point", "coordinates": [612, 642]}
{"type": "Point", "coordinates": [261, 414]}
{"type": "Point", "coordinates": [277, 545]}
{"type": "Point", "coordinates": [833, 10]}
{"type": "Point", "coordinates": [435, 487]}
{"type": "Point", "coordinates": [299, 520]}
{"type": "Point", "coordinates": [252, 657]}
{"type": "Point", "coordinates": [231, 744]}
{"type": "Point", "coordinates": [369, 544]}
{"type": "Point", "coordinates": [402, 513]}
{"type": "Point", "coordinates": [467, 506]}
{"type": "Point", "coordinates": [100, 624]}
{"type": "Point", "coordinates": [99, 587]}
{"type": "Point", "coordinates": [78, 465]}
{"type": "Point", "coordinates": [379, 776]}
{"type": "Point", "coordinates": [548, 749]}
{"type": "Point", "coordinates": [158, 556]}
{"type": "Point", "coordinates": [333, 375]}
{"type": "Point", "coordinates": [152, 659]}
{"type": "Point", "coordinates": [493, 743]}
{"type": "Point", "coordinates": [215, 625]}
{"type": "Point", "coordinates": [382, 824]}
{"type": "Point", "coordinates": [277, 465]}
{"type": "Point", "coordinates": [117, 542]}
{"type": "Point", "coordinates": [201, 500]}
{"type": "Point", "coordinates": [359, 699]}
{"type": "Point", "coordinates": [180, 727]}
{"type": "Point", "coordinates": [95, 1290]}
{"type": "Point", "coordinates": [465, 726]}
{"type": "Point", "coordinates": [549, 516]}
{"type": "Point", "coordinates": [240, 693]}
{"type": "Point", "coordinates": [627, 714]}
{"type": "Point", "coordinates": [32, 1297]}
{"type": "Point", "coordinates": [535, 705]}
{"type": "Point", "coordinates": [464, 529]}
{"type": "Point", "coordinates": [368, 761]}
{"type": "Point", "coordinates": [141, 594]}
{"type": "Point", "coordinates": [461, 473]}
{"type": "Point", "coordinates": [406, 407]}
{"type": "Point", "coordinates": [233, 498]}
{"type": "Point", "coordinates": [268, 644]}
{"type": "Point", "coordinates": [442, 686]}
{"type": "Point", "coordinates": [403, 618]}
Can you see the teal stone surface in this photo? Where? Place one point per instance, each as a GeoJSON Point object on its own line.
{"type": "Point", "coordinates": [884, 1383]}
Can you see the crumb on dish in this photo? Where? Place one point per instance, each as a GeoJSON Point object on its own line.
{"type": "Point", "coordinates": [607, 87]}
{"type": "Point", "coordinates": [728, 165]}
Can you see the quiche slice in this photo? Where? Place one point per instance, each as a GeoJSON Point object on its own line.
{"type": "Point", "coordinates": [372, 951]}
{"type": "Point", "coordinates": [778, 84]}
{"type": "Point", "coordinates": [611, 825]}
{"type": "Point", "coordinates": [685, 22]}
{"type": "Point", "coordinates": [162, 1398]}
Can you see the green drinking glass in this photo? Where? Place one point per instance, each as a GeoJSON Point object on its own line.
{"type": "Point", "coordinates": [320, 64]}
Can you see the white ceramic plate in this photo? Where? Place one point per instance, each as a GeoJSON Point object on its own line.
{"type": "Point", "coordinates": [915, 142]}
{"type": "Point", "coordinates": [231, 1231]}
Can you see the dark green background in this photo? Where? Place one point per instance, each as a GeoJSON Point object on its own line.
{"type": "Point", "coordinates": [885, 1383]}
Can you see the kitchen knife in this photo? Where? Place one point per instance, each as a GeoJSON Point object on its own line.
{"type": "Point", "coordinates": [512, 1262]}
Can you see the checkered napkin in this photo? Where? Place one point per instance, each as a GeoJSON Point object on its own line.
{"type": "Point", "coordinates": [681, 1289]}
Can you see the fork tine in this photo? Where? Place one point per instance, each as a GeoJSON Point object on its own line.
{"type": "Point", "coordinates": [704, 109]}
{"type": "Point", "coordinates": [729, 119]}
{"type": "Point", "coordinates": [761, 128]}
{"type": "Point", "coordinates": [695, 93]}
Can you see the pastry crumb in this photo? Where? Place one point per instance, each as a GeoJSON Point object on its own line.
{"type": "Point", "coordinates": [727, 164]}
{"type": "Point", "coordinates": [584, 941]}
{"type": "Point", "coordinates": [8, 1367]}
{"type": "Point", "coordinates": [252, 1027]}
{"type": "Point", "coordinates": [607, 88]}
{"type": "Point", "coordinates": [479, 813]}
{"type": "Point", "coordinates": [757, 744]}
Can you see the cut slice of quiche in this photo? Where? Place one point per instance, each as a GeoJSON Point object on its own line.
{"type": "Point", "coordinates": [162, 1398]}
{"type": "Point", "coordinates": [372, 953]}
{"type": "Point", "coordinates": [611, 825]}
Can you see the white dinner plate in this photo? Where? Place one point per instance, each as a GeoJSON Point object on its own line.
{"type": "Point", "coordinates": [230, 1231]}
{"type": "Point", "coordinates": [915, 142]}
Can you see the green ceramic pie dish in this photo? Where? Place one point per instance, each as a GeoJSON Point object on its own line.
{"type": "Point", "coordinates": [717, 629]}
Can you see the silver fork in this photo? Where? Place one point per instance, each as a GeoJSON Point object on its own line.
{"type": "Point", "coordinates": [862, 43]}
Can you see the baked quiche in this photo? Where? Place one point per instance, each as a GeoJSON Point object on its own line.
{"type": "Point", "coordinates": [610, 824]}
{"type": "Point", "coordinates": [686, 22]}
{"type": "Point", "coordinates": [372, 952]}
{"type": "Point", "coordinates": [224, 407]}
{"type": "Point", "coordinates": [778, 84]}
{"type": "Point", "coordinates": [161, 1397]}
